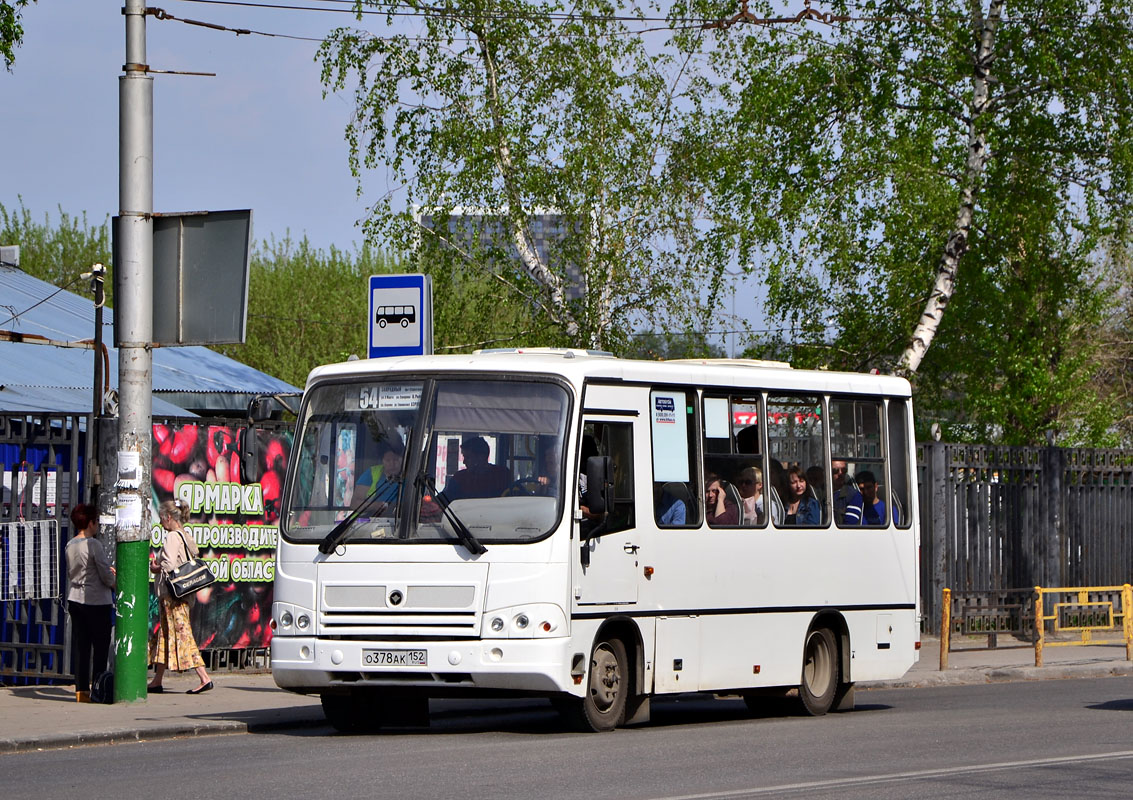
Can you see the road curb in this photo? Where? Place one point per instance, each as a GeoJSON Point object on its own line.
{"type": "Point", "coordinates": [968, 677]}
{"type": "Point", "coordinates": [173, 730]}
{"type": "Point", "coordinates": [176, 730]}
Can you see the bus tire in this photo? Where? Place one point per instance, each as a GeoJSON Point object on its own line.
{"type": "Point", "coordinates": [381, 323]}
{"type": "Point", "coordinates": [819, 681]}
{"type": "Point", "coordinates": [404, 322]}
{"type": "Point", "coordinates": [603, 707]}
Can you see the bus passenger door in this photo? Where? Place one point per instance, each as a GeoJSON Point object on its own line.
{"type": "Point", "coordinates": [606, 570]}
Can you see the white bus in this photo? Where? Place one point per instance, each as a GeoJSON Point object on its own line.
{"type": "Point", "coordinates": [594, 530]}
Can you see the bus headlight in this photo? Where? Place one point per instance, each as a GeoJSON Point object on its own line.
{"type": "Point", "coordinates": [291, 620]}
{"type": "Point", "coordinates": [532, 621]}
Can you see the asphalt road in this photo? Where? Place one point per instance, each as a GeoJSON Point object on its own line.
{"type": "Point", "coordinates": [1058, 739]}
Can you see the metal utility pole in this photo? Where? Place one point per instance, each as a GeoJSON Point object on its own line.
{"type": "Point", "coordinates": [133, 319]}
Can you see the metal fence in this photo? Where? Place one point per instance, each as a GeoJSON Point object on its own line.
{"type": "Point", "coordinates": [40, 463]}
{"type": "Point", "coordinates": [998, 519]}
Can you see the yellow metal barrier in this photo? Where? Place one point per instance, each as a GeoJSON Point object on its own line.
{"type": "Point", "coordinates": [1088, 614]}
{"type": "Point", "coordinates": [1085, 616]}
{"type": "Point", "coordinates": [945, 627]}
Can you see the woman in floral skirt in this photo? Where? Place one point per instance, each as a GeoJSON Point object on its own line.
{"type": "Point", "coordinates": [172, 645]}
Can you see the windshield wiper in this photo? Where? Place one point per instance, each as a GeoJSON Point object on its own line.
{"type": "Point", "coordinates": [342, 529]}
{"type": "Point", "coordinates": [466, 538]}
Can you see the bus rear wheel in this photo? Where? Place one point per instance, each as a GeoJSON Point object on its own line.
{"type": "Point", "coordinates": [820, 672]}
{"type": "Point", "coordinates": [603, 707]}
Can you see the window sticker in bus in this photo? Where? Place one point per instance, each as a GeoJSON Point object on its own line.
{"type": "Point", "coordinates": [344, 465]}
{"type": "Point", "coordinates": [669, 420]}
{"type": "Point", "coordinates": [717, 418]}
{"type": "Point", "coordinates": [384, 397]}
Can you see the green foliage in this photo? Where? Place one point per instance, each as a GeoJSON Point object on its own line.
{"type": "Point", "coordinates": [855, 142]}
{"type": "Point", "coordinates": [508, 107]}
{"type": "Point", "coordinates": [306, 307]}
{"type": "Point", "coordinates": [58, 252]}
{"type": "Point", "coordinates": [11, 30]}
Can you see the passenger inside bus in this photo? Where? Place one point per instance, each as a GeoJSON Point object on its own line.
{"type": "Point", "coordinates": [802, 509]}
{"type": "Point", "coordinates": [547, 484]}
{"type": "Point", "coordinates": [750, 484]}
{"type": "Point", "coordinates": [872, 508]}
{"type": "Point", "coordinates": [721, 508]}
{"type": "Point", "coordinates": [747, 440]}
{"type": "Point", "coordinates": [479, 478]}
{"type": "Point", "coordinates": [816, 480]}
{"type": "Point", "coordinates": [588, 449]}
{"type": "Point", "coordinates": [843, 489]}
{"type": "Point", "coordinates": [672, 504]}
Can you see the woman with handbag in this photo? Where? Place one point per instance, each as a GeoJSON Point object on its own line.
{"type": "Point", "coordinates": [172, 645]}
{"type": "Point", "coordinates": [89, 599]}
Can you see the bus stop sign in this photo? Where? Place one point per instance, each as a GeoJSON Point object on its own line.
{"type": "Point", "coordinates": [401, 315]}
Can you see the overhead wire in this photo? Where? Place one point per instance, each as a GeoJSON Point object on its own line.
{"type": "Point", "coordinates": [670, 24]}
{"type": "Point", "coordinates": [18, 314]}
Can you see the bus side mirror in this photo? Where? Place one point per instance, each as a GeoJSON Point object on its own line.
{"type": "Point", "coordinates": [599, 484]}
{"type": "Point", "coordinates": [260, 409]}
{"type": "Point", "coordinates": [249, 454]}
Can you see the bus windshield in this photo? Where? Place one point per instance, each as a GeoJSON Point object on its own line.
{"type": "Point", "coordinates": [489, 451]}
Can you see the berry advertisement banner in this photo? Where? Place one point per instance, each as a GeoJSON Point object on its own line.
{"type": "Point", "coordinates": [231, 476]}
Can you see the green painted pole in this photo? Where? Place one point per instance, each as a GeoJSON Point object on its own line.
{"type": "Point", "coordinates": [132, 631]}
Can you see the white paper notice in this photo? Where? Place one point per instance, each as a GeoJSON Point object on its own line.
{"type": "Point", "coordinates": [128, 512]}
{"type": "Point", "coordinates": [129, 470]}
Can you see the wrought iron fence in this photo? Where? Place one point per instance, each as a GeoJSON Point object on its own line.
{"type": "Point", "coordinates": [996, 519]}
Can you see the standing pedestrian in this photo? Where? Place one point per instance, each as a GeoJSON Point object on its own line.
{"type": "Point", "coordinates": [90, 599]}
{"type": "Point", "coordinates": [172, 645]}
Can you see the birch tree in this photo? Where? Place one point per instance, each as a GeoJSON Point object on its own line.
{"type": "Point", "coordinates": [11, 29]}
{"type": "Point", "coordinates": [901, 161]}
{"type": "Point", "coordinates": [505, 111]}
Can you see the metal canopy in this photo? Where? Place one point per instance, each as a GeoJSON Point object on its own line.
{"type": "Point", "coordinates": [60, 379]}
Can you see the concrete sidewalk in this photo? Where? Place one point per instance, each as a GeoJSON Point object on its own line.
{"type": "Point", "coordinates": [44, 717]}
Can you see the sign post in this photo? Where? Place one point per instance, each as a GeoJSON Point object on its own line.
{"type": "Point", "coordinates": [401, 315]}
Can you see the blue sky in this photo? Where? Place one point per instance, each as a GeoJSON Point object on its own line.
{"type": "Point", "coordinates": [259, 135]}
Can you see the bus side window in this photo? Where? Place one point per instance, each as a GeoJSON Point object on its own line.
{"type": "Point", "coordinates": [797, 449]}
{"type": "Point", "coordinates": [673, 433]}
{"type": "Point", "coordinates": [613, 439]}
{"type": "Point", "coordinates": [733, 462]}
{"type": "Point", "coordinates": [899, 479]}
{"type": "Point", "coordinates": [861, 486]}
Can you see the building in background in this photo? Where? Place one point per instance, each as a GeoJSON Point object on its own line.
{"type": "Point", "coordinates": [474, 231]}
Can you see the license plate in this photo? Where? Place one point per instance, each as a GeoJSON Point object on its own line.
{"type": "Point", "coordinates": [395, 658]}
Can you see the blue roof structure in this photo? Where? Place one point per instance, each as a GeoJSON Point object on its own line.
{"type": "Point", "coordinates": [46, 378]}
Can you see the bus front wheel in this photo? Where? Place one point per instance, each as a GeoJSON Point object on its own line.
{"type": "Point", "coordinates": [820, 672]}
{"type": "Point", "coordinates": [603, 707]}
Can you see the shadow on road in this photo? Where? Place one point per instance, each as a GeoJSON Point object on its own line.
{"type": "Point", "coordinates": [1114, 705]}
{"type": "Point", "coordinates": [538, 718]}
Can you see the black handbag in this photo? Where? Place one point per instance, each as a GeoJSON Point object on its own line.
{"type": "Point", "coordinates": [102, 688]}
{"type": "Point", "coordinates": [190, 577]}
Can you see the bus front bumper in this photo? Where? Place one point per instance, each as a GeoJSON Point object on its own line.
{"type": "Point", "coordinates": [308, 664]}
